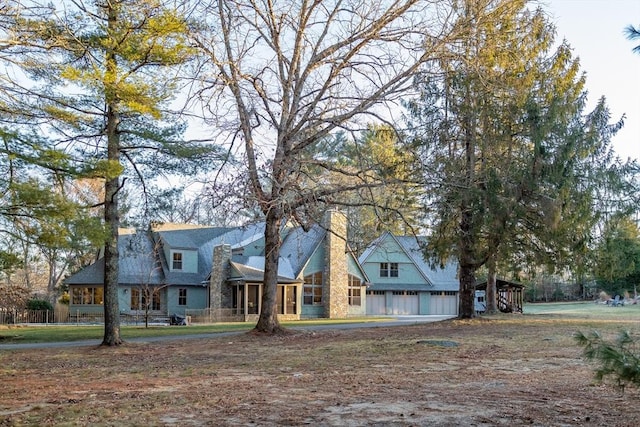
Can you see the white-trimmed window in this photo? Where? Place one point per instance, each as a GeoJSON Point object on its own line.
{"type": "Point", "coordinates": [176, 261]}
{"type": "Point", "coordinates": [182, 296]}
{"type": "Point", "coordinates": [139, 299]}
{"type": "Point", "coordinates": [355, 290]}
{"type": "Point", "coordinates": [388, 269]}
{"type": "Point", "coordinates": [312, 289]}
{"type": "Point", "coordinates": [88, 295]}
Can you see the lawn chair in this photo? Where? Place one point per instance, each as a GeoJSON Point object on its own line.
{"type": "Point", "coordinates": [617, 302]}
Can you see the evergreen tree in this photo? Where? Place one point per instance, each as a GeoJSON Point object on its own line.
{"type": "Point", "coordinates": [633, 34]}
{"type": "Point", "coordinates": [101, 75]}
{"type": "Point", "coordinates": [390, 201]}
{"type": "Point", "coordinates": [511, 163]}
{"type": "Point", "coordinates": [617, 266]}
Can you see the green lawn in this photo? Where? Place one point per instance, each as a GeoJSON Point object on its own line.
{"type": "Point", "coordinates": [35, 334]}
{"type": "Point", "coordinates": [584, 310]}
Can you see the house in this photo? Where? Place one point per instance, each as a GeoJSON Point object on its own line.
{"type": "Point", "coordinates": [403, 282]}
{"type": "Point", "coordinates": [222, 270]}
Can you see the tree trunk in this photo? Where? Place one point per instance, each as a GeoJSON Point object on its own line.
{"type": "Point", "coordinates": [268, 321]}
{"type": "Point", "coordinates": [111, 217]}
{"type": "Point", "coordinates": [467, 258]}
{"type": "Point", "coordinates": [467, 309]}
{"type": "Point", "coordinates": [111, 304]}
{"type": "Point", "coordinates": [467, 292]}
{"type": "Point", "coordinates": [491, 296]}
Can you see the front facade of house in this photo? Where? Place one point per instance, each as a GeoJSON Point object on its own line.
{"type": "Point", "coordinates": [174, 269]}
{"type": "Point", "coordinates": [404, 283]}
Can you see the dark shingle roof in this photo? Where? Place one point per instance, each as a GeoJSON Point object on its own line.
{"type": "Point", "coordinates": [299, 245]}
{"type": "Point", "coordinates": [138, 264]}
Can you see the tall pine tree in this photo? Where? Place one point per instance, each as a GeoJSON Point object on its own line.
{"type": "Point", "coordinates": [100, 77]}
{"type": "Point", "coordinates": [505, 144]}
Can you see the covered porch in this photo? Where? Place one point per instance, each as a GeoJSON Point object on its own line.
{"type": "Point", "coordinates": [246, 300]}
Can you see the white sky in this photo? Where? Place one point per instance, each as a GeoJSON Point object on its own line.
{"type": "Point", "coordinates": [595, 31]}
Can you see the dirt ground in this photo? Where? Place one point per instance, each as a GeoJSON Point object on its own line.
{"type": "Point", "coordinates": [506, 371]}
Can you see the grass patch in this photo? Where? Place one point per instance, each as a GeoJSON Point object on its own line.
{"type": "Point", "coordinates": [584, 310]}
{"type": "Point", "coordinates": [37, 334]}
{"type": "Point", "coordinates": [45, 334]}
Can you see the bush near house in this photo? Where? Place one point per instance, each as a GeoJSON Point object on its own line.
{"type": "Point", "coordinates": [39, 304]}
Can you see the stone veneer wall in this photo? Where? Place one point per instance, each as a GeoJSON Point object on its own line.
{"type": "Point", "coordinates": [220, 295]}
{"type": "Point", "coordinates": [335, 289]}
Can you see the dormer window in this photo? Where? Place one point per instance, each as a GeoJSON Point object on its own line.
{"type": "Point", "coordinates": [388, 269]}
{"type": "Point", "coordinates": [177, 261]}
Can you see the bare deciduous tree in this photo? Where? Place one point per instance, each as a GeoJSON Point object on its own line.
{"type": "Point", "coordinates": [283, 76]}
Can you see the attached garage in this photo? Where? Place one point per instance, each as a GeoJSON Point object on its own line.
{"type": "Point", "coordinates": [444, 302]}
{"type": "Point", "coordinates": [381, 303]}
{"type": "Point", "coordinates": [405, 302]}
{"type": "Point", "coordinates": [376, 303]}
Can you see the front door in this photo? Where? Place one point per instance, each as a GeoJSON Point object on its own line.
{"type": "Point", "coordinates": [290, 294]}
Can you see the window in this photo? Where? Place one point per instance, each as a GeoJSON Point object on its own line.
{"type": "Point", "coordinates": [177, 261]}
{"type": "Point", "coordinates": [135, 299]}
{"type": "Point", "coordinates": [388, 269]}
{"type": "Point", "coordinates": [444, 293]}
{"type": "Point", "coordinates": [182, 296]}
{"type": "Point", "coordinates": [312, 289]}
{"type": "Point", "coordinates": [155, 300]}
{"type": "Point", "coordinates": [355, 289]}
{"type": "Point", "coordinates": [405, 292]}
{"type": "Point", "coordinates": [88, 295]}
{"type": "Point", "coordinates": [139, 299]}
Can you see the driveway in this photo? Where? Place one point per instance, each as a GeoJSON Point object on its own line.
{"type": "Point", "coordinates": [396, 321]}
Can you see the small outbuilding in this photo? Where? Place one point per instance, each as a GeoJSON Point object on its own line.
{"type": "Point", "coordinates": [510, 295]}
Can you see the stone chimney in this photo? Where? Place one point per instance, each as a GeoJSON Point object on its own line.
{"type": "Point", "coordinates": [219, 273]}
{"type": "Point", "coordinates": [335, 289]}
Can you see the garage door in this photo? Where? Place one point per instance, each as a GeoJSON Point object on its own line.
{"type": "Point", "coordinates": [376, 303]}
{"type": "Point", "coordinates": [405, 302]}
{"type": "Point", "coordinates": [444, 303]}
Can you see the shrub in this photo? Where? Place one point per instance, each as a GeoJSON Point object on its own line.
{"type": "Point", "coordinates": [64, 298]}
{"type": "Point", "coordinates": [619, 359]}
{"type": "Point", "coordinates": [39, 304]}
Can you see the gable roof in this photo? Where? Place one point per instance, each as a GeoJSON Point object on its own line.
{"type": "Point", "coordinates": [252, 270]}
{"type": "Point", "coordinates": [138, 264]}
{"type": "Point", "coordinates": [299, 245]}
{"type": "Point", "coordinates": [204, 240]}
{"type": "Point", "coordinates": [441, 278]}
{"type": "Point", "coordinates": [139, 261]}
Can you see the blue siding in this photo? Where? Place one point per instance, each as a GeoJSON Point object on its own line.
{"type": "Point", "coordinates": [389, 251]}
{"type": "Point", "coordinates": [196, 298]}
{"type": "Point", "coordinates": [316, 262]}
{"type": "Point", "coordinates": [312, 311]}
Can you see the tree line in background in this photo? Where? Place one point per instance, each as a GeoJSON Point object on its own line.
{"type": "Point", "coordinates": [463, 120]}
